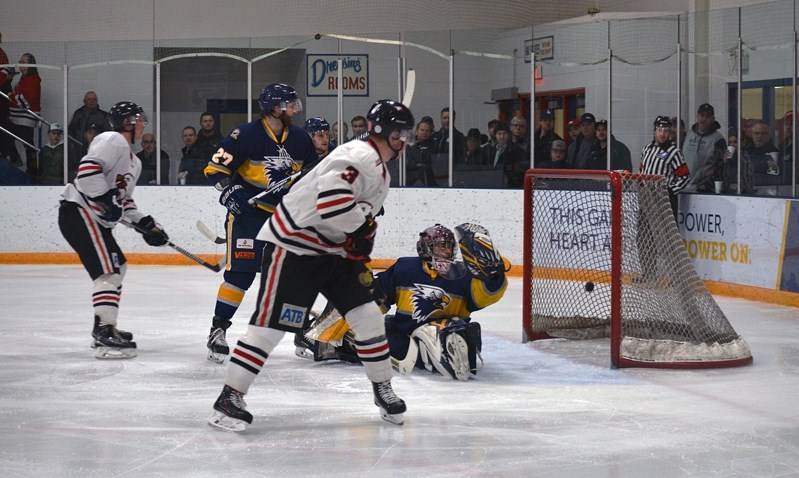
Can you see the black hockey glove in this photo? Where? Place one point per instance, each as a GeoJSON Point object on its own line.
{"type": "Point", "coordinates": [108, 205]}
{"type": "Point", "coordinates": [152, 232]}
{"type": "Point", "coordinates": [235, 199]}
{"type": "Point", "coordinates": [477, 249]}
{"type": "Point", "coordinates": [360, 242]}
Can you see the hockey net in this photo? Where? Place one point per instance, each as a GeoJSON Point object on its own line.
{"type": "Point", "coordinates": [604, 258]}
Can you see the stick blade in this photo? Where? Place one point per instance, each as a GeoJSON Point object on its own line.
{"type": "Point", "coordinates": [410, 86]}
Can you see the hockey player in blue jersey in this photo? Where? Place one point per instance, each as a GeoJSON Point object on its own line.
{"type": "Point", "coordinates": [435, 294]}
{"type": "Point", "coordinates": [319, 130]}
{"type": "Point", "coordinates": [250, 160]}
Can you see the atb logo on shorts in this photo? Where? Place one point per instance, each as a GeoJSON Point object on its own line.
{"type": "Point", "coordinates": [292, 316]}
{"type": "Point", "coordinates": [245, 255]}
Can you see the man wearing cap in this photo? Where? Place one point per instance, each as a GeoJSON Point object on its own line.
{"type": "Point", "coordinates": [574, 130]}
{"type": "Point", "coordinates": [557, 157]}
{"type": "Point", "coordinates": [473, 151]}
{"type": "Point", "coordinates": [584, 151]}
{"type": "Point", "coordinates": [544, 136]}
{"type": "Point", "coordinates": [620, 158]}
{"type": "Point", "coordinates": [51, 157]}
{"type": "Point", "coordinates": [704, 149]}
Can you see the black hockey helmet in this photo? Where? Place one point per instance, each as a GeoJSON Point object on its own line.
{"type": "Point", "coordinates": [312, 125]}
{"type": "Point", "coordinates": [663, 121]}
{"type": "Point", "coordinates": [279, 94]}
{"type": "Point", "coordinates": [387, 116]}
{"type": "Point", "coordinates": [125, 110]}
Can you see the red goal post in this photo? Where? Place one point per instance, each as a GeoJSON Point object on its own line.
{"type": "Point", "coordinates": [603, 258]}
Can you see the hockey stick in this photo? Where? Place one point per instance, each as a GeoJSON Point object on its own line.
{"type": "Point", "coordinates": [410, 86]}
{"type": "Point", "coordinates": [198, 260]}
{"type": "Point", "coordinates": [207, 232]}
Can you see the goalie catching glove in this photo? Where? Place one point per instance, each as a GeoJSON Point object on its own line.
{"type": "Point", "coordinates": [360, 242]}
{"type": "Point", "coordinates": [152, 232]}
{"type": "Point", "coordinates": [479, 254]}
{"type": "Point", "coordinates": [107, 206]}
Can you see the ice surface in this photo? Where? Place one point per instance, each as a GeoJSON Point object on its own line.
{"type": "Point", "coordinates": [545, 409]}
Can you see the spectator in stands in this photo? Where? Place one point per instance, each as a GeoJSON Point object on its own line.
{"type": "Point", "coordinates": [492, 137]}
{"type": "Point", "coordinates": [148, 158]}
{"type": "Point", "coordinates": [574, 130]}
{"type": "Point", "coordinates": [544, 135]}
{"type": "Point", "coordinates": [208, 137]}
{"type": "Point", "coordinates": [704, 150]}
{"type": "Point", "coordinates": [584, 152]}
{"type": "Point", "coordinates": [51, 157]}
{"type": "Point", "coordinates": [473, 151]}
{"type": "Point", "coordinates": [334, 135]}
{"type": "Point", "coordinates": [358, 124]}
{"type": "Point", "coordinates": [557, 157]}
{"type": "Point", "coordinates": [620, 159]}
{"type": "Point", "coordinates": [786, 147]}
{"type": "Point", "coordinates": [88, 114]}
{"type": "Point", "coordinates": [761, 162]}
{"type": "Point", "coordinates": [6, 75]}
{"type": "Point", "coordinates": [507, 157]}
{"type": "Point", "coordinates": [518, 134]}
{"type": "Point", "coordinates": [89, 134]}
{"type": "Point", "coordinates": [192, 161]}
{"type": "Point", "coordinates": [675, 129]}
{"type": "Point", "coordinates": [418, 159]}
{"type": "Point", "coordinates": [24, 108]}
{"type": "Point", "coordinates": [441, 139]}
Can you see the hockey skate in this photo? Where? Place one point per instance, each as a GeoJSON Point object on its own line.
{"type": "Point", "coordinates": [391, 406]}
{"type": "Point", "coordinates": [110, 343]}
{"type": "Point", "coordinates": [218, 349]}
{"type": "Point", "coordinates": [230, 412]}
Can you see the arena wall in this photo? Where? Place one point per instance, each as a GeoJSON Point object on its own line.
{"type": "Point", "coordinates": [742, 246]}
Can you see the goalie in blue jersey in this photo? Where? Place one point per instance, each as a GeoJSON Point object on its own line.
{"type": "Point", "coordinates": [435, 294]}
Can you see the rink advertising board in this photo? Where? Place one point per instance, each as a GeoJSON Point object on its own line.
{"type": "Point", "coordinates": [322, 75]}
{"type": "Point", "coordinates": [738, 239]}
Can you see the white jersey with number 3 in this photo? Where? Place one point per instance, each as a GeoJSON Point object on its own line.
{"type": "Point", "coordinates": [331, 200]}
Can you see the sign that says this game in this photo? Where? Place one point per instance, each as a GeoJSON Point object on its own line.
{"type": "Point", "coordinates": [322, 75]}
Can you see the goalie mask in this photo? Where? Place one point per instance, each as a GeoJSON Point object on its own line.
{"type": "Point", "coordinates": [436, 246]}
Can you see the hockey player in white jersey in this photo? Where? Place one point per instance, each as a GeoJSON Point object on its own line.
{"type": "Point", "coordinates": [318, 240]}
{"type": "Point", "coordinates": [91, 206]}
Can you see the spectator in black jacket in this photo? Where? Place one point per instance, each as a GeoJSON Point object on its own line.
{"type": "Point", "coordinates": [544, 135]}
{"type": "Point", "coordinates": [620, 158]}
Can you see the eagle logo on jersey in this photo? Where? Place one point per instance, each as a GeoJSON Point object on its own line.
{"type": "Point", "coordinates": [277, 168]}
{"type": "Point", "coordinates": [427, 299]}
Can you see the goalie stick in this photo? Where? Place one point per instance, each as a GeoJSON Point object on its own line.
{"type": "Point", "coordinates": [198, 260]}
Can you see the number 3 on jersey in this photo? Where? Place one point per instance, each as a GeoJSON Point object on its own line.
{"type": "Point", "coordinates": [350, 174]}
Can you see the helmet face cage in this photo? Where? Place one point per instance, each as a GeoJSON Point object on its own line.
{"type": "Point", "coordinates": [281, 95]}
{"type": "Point", "coordinates": [126, 110]}
{"type": "Point", "coordinates": [436, 245]}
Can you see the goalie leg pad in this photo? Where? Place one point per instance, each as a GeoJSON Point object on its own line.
{"type": "Point", "coordinates": [451, 347]}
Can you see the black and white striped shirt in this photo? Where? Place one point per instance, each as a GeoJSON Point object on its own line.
{"type": "Point", "coordinates": [666, 160]}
